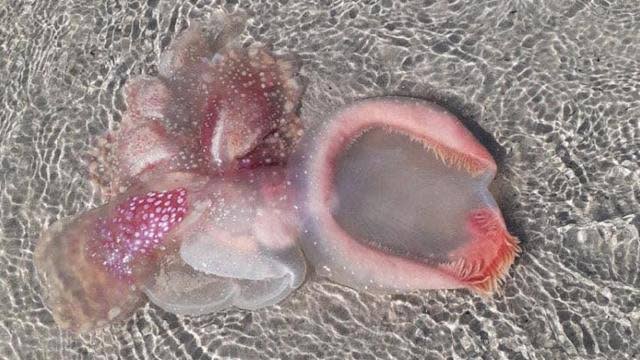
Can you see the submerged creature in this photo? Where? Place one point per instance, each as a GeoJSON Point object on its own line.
{"type": "Point", "coordinates": [206, 209]}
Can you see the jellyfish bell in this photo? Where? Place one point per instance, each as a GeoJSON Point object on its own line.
{"type": "Point", "coordinates": [394, 196]}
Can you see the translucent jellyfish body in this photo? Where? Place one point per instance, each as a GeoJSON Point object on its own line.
{"type": "Point", "coordinates": [205, 209]}
{"type": "Point", "coordinates": [394, 197]}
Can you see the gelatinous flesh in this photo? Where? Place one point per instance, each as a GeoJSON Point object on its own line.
{"type": "Point", "coordinates": [214, 108]}
{"type": "Point", "coordinates": [90, 265]}
{"type": "Point", "coordinates": [181, 289]}
{"type": "Point", "coordinates": [394, 195]}
{"type": "Point", "coordinates": [241, 240]}
{"type": "Point", "coordinates": [137, 229]}
{"type": "Point", "coordinates": [195, 189]}
{"type": "Point", "coordinates": [390, 194]}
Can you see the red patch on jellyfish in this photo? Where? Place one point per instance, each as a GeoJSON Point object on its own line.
{"type": "Point", "coordinates": [250, 101]}
{"type": "Point", "coordinates": [136, 231]}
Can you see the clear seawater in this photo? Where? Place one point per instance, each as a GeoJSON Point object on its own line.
{"type": "Point", "coordinates": [554, 84]}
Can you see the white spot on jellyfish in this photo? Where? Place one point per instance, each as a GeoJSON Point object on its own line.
{"type": "Point", "coordinates": [113, 312]}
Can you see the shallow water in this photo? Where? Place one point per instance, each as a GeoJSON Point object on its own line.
{"type": "Point", "coordinates": [555, 86]}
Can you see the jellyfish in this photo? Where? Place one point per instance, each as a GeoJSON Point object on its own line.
{"type": "Point", "coordinates": [215, 197]}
